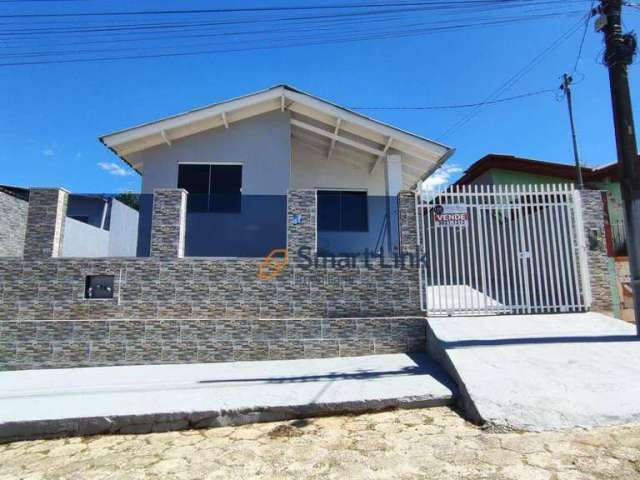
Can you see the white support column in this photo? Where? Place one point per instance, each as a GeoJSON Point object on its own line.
{"type": "Point", "coordinates": [393, 175]}
{"type": "Point", "coordinates": [393, 187]}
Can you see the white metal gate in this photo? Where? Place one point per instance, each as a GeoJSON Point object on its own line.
{"type": "Point", "coordinates": [502, 249]}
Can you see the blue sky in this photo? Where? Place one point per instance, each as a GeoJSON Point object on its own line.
{"type": "Point", "coordinates": [53, 114]}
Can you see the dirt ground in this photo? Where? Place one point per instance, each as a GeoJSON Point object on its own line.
{"type": "Point", "coordinates": [423, 444]}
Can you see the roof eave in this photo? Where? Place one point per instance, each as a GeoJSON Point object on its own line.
{"type": "Point", "coordinates": [440, 162]}
{"type": "Point", "coordinates": [111, 141]}
{"type": "Point", "coordinates": [120, 156]}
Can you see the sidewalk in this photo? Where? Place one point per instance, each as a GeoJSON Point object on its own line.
{"type": "Point", "coordinates": [540, 372]}
{"type": "Point", "coordinates": [137, 399]}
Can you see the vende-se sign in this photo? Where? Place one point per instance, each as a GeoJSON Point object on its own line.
{"type": "Point", "coordinates": [454, 215]}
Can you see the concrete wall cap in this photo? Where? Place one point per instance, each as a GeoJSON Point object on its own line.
{"type": "Point", "coordinates": [60, 189]}
{"type": "Point", "coordinates": [170, 190]}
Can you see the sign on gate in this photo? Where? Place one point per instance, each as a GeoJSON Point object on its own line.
{"type": "Point", "coordinates": [455, 215]}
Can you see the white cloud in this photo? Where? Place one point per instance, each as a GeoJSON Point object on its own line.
{"type": "Point", "coordinates": [114, 169]}
{"type": "Point", "coordinates": [441, 177]}
{"type": "Point", "coordinates": [48, 152]}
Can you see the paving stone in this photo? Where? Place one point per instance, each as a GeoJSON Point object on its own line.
{"type": "Point", "coordinates": [525, 472]}
{"type": "Point", "coordinates": [499, 457]}
{"type": "Point", "coordinates": [523, 443]}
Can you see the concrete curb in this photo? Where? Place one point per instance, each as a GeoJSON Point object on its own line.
{"type": "Point", "coordinates": [164, 422]}
{"type": "Point", "coordinates": [463, 400]}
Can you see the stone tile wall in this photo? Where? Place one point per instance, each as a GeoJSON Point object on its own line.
{"type": "Point", "coordinates": [594, 220]}
{"type": "Point", "coordinates": [59, 344]}
{"type": "Point", "coordinates": [408, 224]}
{"type": "Point", "coordinates": [45, 222]}
{"type": "Point", "coordinates": [13, 224]}
{"type": "Point", "coordinates": [167, 293]}
{"type": "Point", "coordinates": [301, 221]}
{"type": "Point", "coordinates": [168, 223]}
{"type": "Point", "coordinates": [202, 288]}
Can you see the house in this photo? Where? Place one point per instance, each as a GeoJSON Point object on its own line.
{"type": "Point", "coordinates": [95, 225]}
{"type": "Point", "coordinates": [246, 154]}
{"type": "Point", "coordinates": [275, 225]}
{"type": "Point", "coordinates": [498, 169]}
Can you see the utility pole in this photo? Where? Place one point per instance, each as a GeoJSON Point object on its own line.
{"type": "Point", "coordinates": [620, 49]}
{"type": "Point", "coordinates": [566, 87]}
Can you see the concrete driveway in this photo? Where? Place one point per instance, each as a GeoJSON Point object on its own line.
{"type": "Point", "coordinates": [538, 372]}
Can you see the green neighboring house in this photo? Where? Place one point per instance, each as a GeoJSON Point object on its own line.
{"type": "Point", "coordinates": [496, 169]}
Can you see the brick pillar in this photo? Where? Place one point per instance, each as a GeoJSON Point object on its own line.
{"type": "Point", "coordinates": [593, 218]}
{"type": "Point", "coordinates": [301, 221]}
{"type": "Point", "coordinates": [45, 223]}
{"type": "Point", "coordinates": [168, 223]}
{"type": "Point", "coordinates": [407, 219]}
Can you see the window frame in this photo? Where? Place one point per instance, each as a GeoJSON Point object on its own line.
{"type": "Point", "coordinates": [210, 164]}
{"type": "Point", "coordinates": [343, 190]}
{"type": "Point", "coordinates": [211, 208]}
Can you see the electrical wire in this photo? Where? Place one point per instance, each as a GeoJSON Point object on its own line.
{"type": "Point", "coordinates": [226, 22]}
{"type": "Point", "coordinates": [331, 41]}
{"type": "Point", "coordinates": [353, 35]}
{"type": "Point", "coordinates": [584, 36]}
{"type": "Point", "coordinates": [351, 22]}
{"type": "Point", "coordinates": [437, 4]}
{"type": "Point", "coordinates": [463, 105]}
{"type": "Point", "coordinates": [243, 20]}
{"type": "Point", "coordinates": [511, 81]}
{"type": "Point", "coordinates": [413, 29]}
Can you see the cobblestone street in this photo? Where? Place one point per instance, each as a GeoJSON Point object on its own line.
{"type": "Point", "coordinates": [431, 443]}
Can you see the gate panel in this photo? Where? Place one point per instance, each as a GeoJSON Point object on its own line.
{"type": "Point", "coordinates": [502, 250]}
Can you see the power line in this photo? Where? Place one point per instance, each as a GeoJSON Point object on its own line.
{"type": "Point", "coordinates": [226, 22]}
{"type": "Point", "coordinates": [584, 36]}
{"type": "Point", "coordinates": [436, 4]}
{"type": "Point", "coordinates": [145, 31]}
{"type": "Point", "coordinates": [463, 105]}
{"type": "Point", "coordinates": [413, 29]}
{"type": "Point", "coordinates": [231, 50]}
{"type": "Point", "coordinates": [399, 32]}
{"type": "Point", "coordinates": [168, 39]}
{"type": "Point", "coordinates": [84, 27]}
{"type": "Point", "coordinates": [515, 78]}
{"type": "Point", "coordinates": [39, 1]}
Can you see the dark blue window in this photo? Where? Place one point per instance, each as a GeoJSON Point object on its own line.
{"type": "Point", "coordinates": [342, 211]}
{"type": "Point", "coordinates": [195, 180]}
{"type": "Point", "coordinates": [212, 188]}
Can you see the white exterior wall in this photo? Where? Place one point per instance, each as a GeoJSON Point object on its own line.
{"type": "Point", "coordinates": [310, 169]}
{"type": "Point", "coordinates": [123, 230]}
{"type": "Point", "coordinates": [272, 162]}
{"type": "Point", "coordinates": [84, 240]}
{"type": "Point", "coordinates": [261, 144]}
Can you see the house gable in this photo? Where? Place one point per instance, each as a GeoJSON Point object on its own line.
{"type": "Point", "coordinates": [336, 126]}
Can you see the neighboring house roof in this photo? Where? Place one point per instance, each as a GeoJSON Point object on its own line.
{"type": "Point", "coordinates": [538, 167]}
{"type": "Point", "coordinates": [611, 171]}
{"type": "Point", "coordinates": [310, 115]}
{"type": "Point", "coordinates": [18, 192]}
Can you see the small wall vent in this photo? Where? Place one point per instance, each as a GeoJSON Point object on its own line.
{"type": "Point", "coordinates": [98, 286]}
